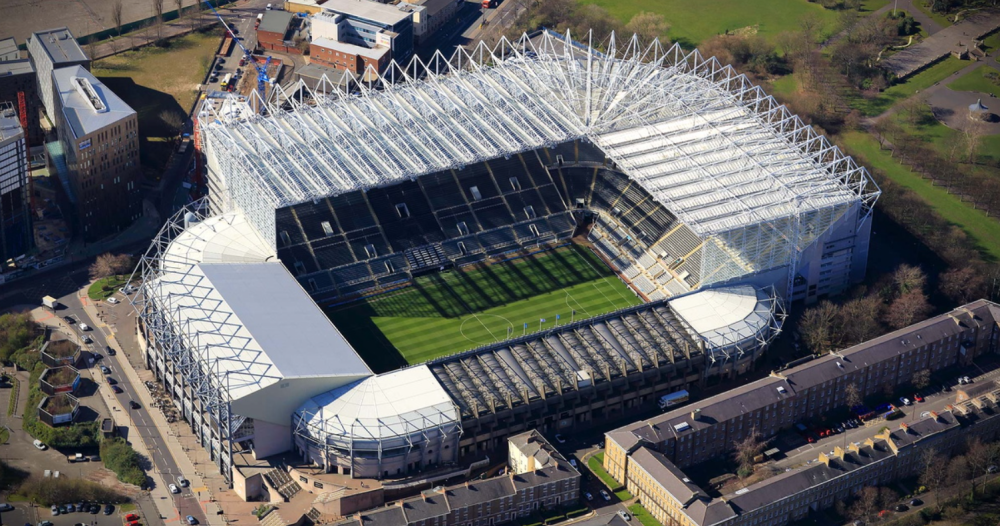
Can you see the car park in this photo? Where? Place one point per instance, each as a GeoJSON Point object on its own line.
{"type": "Point", "coordinates": [113, 300]}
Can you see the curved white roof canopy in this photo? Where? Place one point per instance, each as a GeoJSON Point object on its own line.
{"type": "Point", "coordinates": [727, 316]}
{"type": "Point", "coordinates": [388, 410]}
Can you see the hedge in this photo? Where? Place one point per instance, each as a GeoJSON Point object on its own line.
{"type": "Point", "coordinates": [119, 457]}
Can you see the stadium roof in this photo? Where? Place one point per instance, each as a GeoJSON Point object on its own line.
{"type": "Point", "coordinates": [248, 320]}
{"type": "Point", "coordinates": [378, 408]}
{"type": "Point", "coordinates": [727, 315]}
{"type": "Point", "coordinates": [83, 115]}
{"type": "Point", "coordinates": [716, 150]}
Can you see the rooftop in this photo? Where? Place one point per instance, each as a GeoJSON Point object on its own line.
{"type": "Point", "coordinates": [60, 46]}
{"type": "Point", "coordinates": [373, 11]}
{"type": "Point", "coordinates": [276, 21]}
{"type": "Point", "coordinates": [60, 348]}
{"type": "Point", "coordinates": [10, 125]}
{"type": "Point", "coordinates": [375, 53]}
{"type": "Point", "coordinates": [8, 50]}
{"type": "Point", "coordinates": [87, 110]}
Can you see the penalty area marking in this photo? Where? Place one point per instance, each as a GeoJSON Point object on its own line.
{"type": "Point", "coordinates": [477, 318]}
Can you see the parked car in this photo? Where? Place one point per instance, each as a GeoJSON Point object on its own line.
{"type": "Point", "coordinates": [39, 445]}
{"type": "Point", "coordinates": [588, 495]}
{"type": "Point", "coordinates": [605, 496]}
{"type": "Point", "coordinates": [131, 517]}
{"type": "Point", "coordinates": [83, 326]}
{"type": "Point", "coordinates": [916, 502]}
{"type": "Point", "coordinates": [117, 389]}
{"type": "Point", "coordinates": [71, 508]}
{"type": "Point", "coordinates": [173, 489]}
{"type": "Point", "coordinates": [560, 439]}
{"type": "Point", "coordinates": [110, 351]}
{"type": "Point", "coordinates": [917, 397]}
{"type": "Point", "coordinates": [624, 514]}
{"type": "Point", "coordinates": [182, 481]}
{"type": "Point", "coordinates": [55, 510]}
{"type": "Point", "coordinates": [109, 509]}
{"type": "Point", "coordinates": [133, 404]}
{"type": "Point", "coordinates": [5, 506]}
{"type": "Point", "coordinates": [111, 381]}
{"type": "Point", "coordinates": [904, 400]}
{"type": "Point", "coordinates": [191, 520]}
{"type": "Point", "coordinates": [992, 469]}
{"type": "Point", "coordinates": [901, 507]}
{"type": "Point", "coordinates": [95, 509]}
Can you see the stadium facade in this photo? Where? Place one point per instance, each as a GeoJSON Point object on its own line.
{"type": "Point", "coordinates": [713, 202]}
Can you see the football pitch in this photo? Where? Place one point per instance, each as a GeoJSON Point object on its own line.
{"type": "Point", "coordinates": [455, 310]}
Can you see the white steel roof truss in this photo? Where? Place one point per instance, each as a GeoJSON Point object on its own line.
{"type": "Point", "coordinates": [296, 156]}
{"type": "Point", "coordinates": [436, 110]}
{"type": "Point", "coordinates": [541, 105]}
{"type": "Point", "coordinates": [335, 172]}
{"type": "Point", "coordinates": [436, 150]}
{"type": "Point", "coordinates": [486, 131]}
{"type": "Point", "coordinates": [513, 117]}
{"type": "Point", "coordinates": [273, 163]}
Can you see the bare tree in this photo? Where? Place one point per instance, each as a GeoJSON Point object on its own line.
{"type": "Point", "coordinates": [858, 319]}
{"type": "Point", "coordinates": [648, 26]}
{"type": "Point", "coordinates": [980, 456]}
{"type": "Point", "coordinates": [962, 285]}
{"type": "Point", "coordinates": [116, 16]}
{"type": "Point", "coordinates": [109, 264]}
{"type": "Point", "coordinates": [180, 8]}
{"type": "Point", "coordinates": [921, 378]}
{"type": "Point", "coordinates": [907, 309]}
{"type": "Point", "coordinates": [172, 120]}
{"type": "Point", "coordinates": [852, 395]}
{"type": "Point", "coordinates": [817, 327]}
{"type": "Point", "coordinates": [746, 450]}
{"type": "Point", "coordinates": [158, 10]}
{"type": "Point", "coordinates": [932, 476]}
{"type": "Point", "coordinates": [960, 472]}
{"type": "Point", "coordinates": [908, 278]}
{"type": "Point", "coordinates": [865, 506]}
{"type": "Point", "coordinates": [974, 130]}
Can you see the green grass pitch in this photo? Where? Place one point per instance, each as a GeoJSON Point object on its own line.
{"type": "Point", "coordinates": [452, 311]}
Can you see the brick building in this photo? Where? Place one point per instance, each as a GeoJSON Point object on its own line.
{"type": "Point", "coordinates": [341, 55]}
{"type": "Point", "coordinates": [98, 134]}
{"type": "Point", "coordinates": [538, 477]}
{"type": "Point", "coordinates": [648, 456]}
{"type": "Point", "coordinates": [351, 35]}
{"type": "Point", "coordinates": [18, 75]}
{"type": "Point", "coordinates": [276, 32]}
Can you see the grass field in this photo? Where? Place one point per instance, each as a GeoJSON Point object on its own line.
{"type": "Point", "coordinates": [690, 23]}
{"type": "Point", "coordinates": [643, 516]}
{"type": "Point", "coordinates": [871, 107]}
{"type": "Point", "coordinates": [452, 311]}
{"type": "Point", "coordinates": [980, 227]}
{"type": "Point", "coordinates": [976, 80]}
{"type": "Point", "coordinates": [157, 81]}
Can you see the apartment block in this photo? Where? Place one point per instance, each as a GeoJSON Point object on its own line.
{"type": "Point", "coordinates": [537, 476]}
{"type": "Point", "coordinates": [364, 25]}
{"type": "Point", "coordinates": [649, 456]}
{"type": "Point", "coordinates": [17, 75]}
{"type": "Point", "coordinates": [98, 135]}
{"type": "Point", "coordinates": [50, 50]}
{"type": "Point", "coordinates": [15, 211]}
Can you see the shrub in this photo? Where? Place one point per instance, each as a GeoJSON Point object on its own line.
{"type": "Point", "coordinates": [119, 457]}
{"type": "Point", "coordinates": [61, 490]}
{"type": "Point", "coordinates": [72, 435]}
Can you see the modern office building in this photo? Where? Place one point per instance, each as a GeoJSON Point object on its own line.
{"type": "Point", "coordinates": [430, 15]}
{"type": "Point", "coordinates": [15, 210]}
{"type": "Point", "coordinates": [17, 75]}
{"type": "Point", "coordinates": [50, 50]}
{"type": "Point", "coordinates": [98, 133]}
{"type": "Point", "coordinates": [344, 26]}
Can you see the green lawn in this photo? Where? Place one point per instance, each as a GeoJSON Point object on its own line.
{"type": "Point", "coordinates": [785, 85]}
{"type": "Point", "coordinates": [693, 22]}
{"type": "Point", "coordinates": [596, 465]}
{"type": "Point", "coordinates": [642, 515]}
{"type": "Point", "coordinates": [977, 81]}
{"type": "Point", "coordinates": [983, 229]}
{"type": "Point", "coordinates": [103, 288]}
{"type": "Point", "coordinates": [910, 86]}
{"type": "Point", "coordinates": [942, 138]}
{"type": "Point", "coordinates": [452, 311]}
{"type": "Point", "coordinates": [156, 82]}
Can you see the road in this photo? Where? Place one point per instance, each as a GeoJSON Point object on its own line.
{"type": "Point", "coordinates": [186, 502]}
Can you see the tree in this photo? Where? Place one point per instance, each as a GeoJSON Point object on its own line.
{"type": "Point", "coordinates": [852, 395]}
{"type": "Point", "coordinates": [959, 472]}
{"type": "Point", "coordinates": [921, 378]}
{"type": "Point", "coordinates": [816, 327]}
{"type": "Point", "coordinates": [108, 264]}
{"type": "Point", "coordinates": [648, 26]}
{"type": "Point", "coordinates": [962, 285]}
{"type": "Point", "coordinates": [974, 130]}
{"type": "Point", "coordinates": [746, 450]}
{"type": "Point", "coordinates": [172, 120]}
{"type": "Point", "coordinates": [180, 7]}
{"type": "Point", "coordinates": [858, 320]}
{"type": "Point", "coordinates": [158, 10]}
{"type": "Point", "coordinates": [866, 504]}
{"type": "Point", "coordinates": [17, 329]}
{"type": "Point", "coordinates": [980, 456]}
{"type": "Point", "coordinates": [932, 476]}
{"type": "Point", "coordinates": [907, 278]}
{"type": "Point", "coordinates": [907, 309]}
{"type": "Point", "coordinates": [116, 16]}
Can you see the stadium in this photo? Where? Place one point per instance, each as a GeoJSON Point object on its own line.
{"type": "Point", "coordinates": [537, 235]}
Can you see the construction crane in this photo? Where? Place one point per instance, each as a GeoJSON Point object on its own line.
{"type": "Point", "coordinates": [262, 78]}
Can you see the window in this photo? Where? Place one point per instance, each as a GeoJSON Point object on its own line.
{"type": "Point", "coordinates": [402, 210]}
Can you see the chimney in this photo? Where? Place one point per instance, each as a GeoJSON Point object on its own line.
{"type": "Point", "coordinates": [695, 414]}
{"type": "Point", "coordinates": [904, 427]}
{"type": "Point", "coordinates": [838, 452]}
{"type": "Point", "coordinates": [824, 459]}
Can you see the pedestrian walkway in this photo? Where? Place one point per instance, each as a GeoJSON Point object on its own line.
{"type": "Point", "coordinates": [940, 44]}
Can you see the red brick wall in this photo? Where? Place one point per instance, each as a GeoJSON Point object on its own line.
{"type": "Point", "coordinates": [333, 59]}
